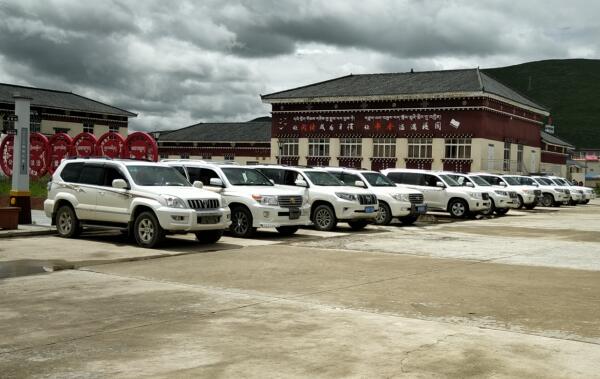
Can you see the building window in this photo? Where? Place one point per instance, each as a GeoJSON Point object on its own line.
{"type": "Point", "coordinates": [420, 148]}
{"type": "Point", "coordinates": [61, 130]}
{"type": "Point", "coordinates": [35, 124]}
{"type": "Point", "coordinates": [350, 147]}
{"type": "Point", "coordinates": [318, 147]}
{"type": "Point", "coordinates": [229, 157]}
{"type": "Point", "coordinates": [288, 147]}
{"type": "Point", "coordinates": [184, 155]}
{"type": "Point", "coordinates": [114, 129]}
{"type": "Point", "coordinates": [88, 127]}
{"type": "Point", "coordinates": [458, 148]}
{"type": "Point", "coordinates": [384, 147]}
{"type": "Point", "coordinates": [207, 157]}
{"type": "Point", "coordinates": [506, 165]}
{"type": "Point", "coordinates": [520, 158]}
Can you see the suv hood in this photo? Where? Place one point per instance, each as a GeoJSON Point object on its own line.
{"type": "Point", "coordinates": [393, 190]}
{"type": "Point", "coordinates": [182, 192]}
{"type": "Point", "coordinates": [344, 189]}
{"type": "Point", "coordinates": [266, 190]}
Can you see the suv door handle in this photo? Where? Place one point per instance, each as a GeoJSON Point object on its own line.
{"type": "Point", "coordinates": [79, 189]}
{"type": "Point", "coordinates": [101, 193]}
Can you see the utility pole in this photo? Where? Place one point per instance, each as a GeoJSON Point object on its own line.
{"type": "Point", "coordinates": [19, 194]}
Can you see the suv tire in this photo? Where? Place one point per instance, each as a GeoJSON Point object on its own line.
{"type": "Point", "coordinates": [241, 222]}
{"type": "Point", "coordinates": [384, 216]}
{"type": "Point", "coordinates": [490, 210]}
{"type": "Point", "coordinates": [458, 208]}
{"type": "Point", "coordinates": [358, 224]}
{"type": "Point", "coordinates": [324, 218]}
{"type": "Point", "coordinates": [408, 220]}
{"type": "Point", "coordinates": [67, 223]}
{"type": "Point", "coordinates": [501, 211]}
{"type": "Point", "coordinates": [519, 202]}
{"type": "Point", "coordinates": [147, 230]}
{"type": "Point", "coordinates": [547, 200]}
{"type": "Point", "coordinates": [287, 230]}
{"type": "Point", "coordinates": [209, 236]}
{"type": "Point", "coordinates": [530, 206]}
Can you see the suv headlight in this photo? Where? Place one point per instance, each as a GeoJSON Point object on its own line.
{"type": "Point", "coordinates": [501, 193]}
{"type": "Point", "coordinates": [346, 196]}
{"type": "Point", "coordinates": [528, 191]}
{"type": "Point", "coordinates": [476, 195]}
{"type": "Point", "coordinates": [266, 199]}
{"type": "Point", "coordinates": [400, 196]}
{"type": "Point", "coordinates": [173, 202]}
{"type": "Point", "coordinates": [558, 189]}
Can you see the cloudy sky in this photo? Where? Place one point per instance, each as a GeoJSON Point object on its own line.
{"type": "Point", "coordinates": [176, 63]}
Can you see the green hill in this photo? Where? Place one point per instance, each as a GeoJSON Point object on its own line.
{"type": "Point", "coordinates": [570, 88]}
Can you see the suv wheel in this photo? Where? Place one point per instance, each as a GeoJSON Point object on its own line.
{"type": "Point", "coordinates": [358, 224]}
{"type": "Point", "coordinates": [384, 215]}
{"type": "Point", "coordinates": [547, 200]}
{"type": "Point", "coordinates": [324, 218]}
{"type": "Point", "coordinates": [490, 210]}
{"type": "Point", "coordinates": [67, 224]}
{"type": "Point", "coordinates": [209, 236]}
{"type": "Point", "coordinates": [458, 208]}
{"type": "Point", "coordinates": [241, 222]}
{"type": "Point", "coordinates": [408, 220]}
{"type": "Point", "coordinates": [287, 230]}
{"type": "Point", "coordinates": [147, 230]}
{"type": "Point", "coordinates": [519, 202]}
{"type": "Point", "coordinates": [501, 211]}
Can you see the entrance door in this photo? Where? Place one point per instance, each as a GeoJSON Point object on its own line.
{"type": "Point", "coordinates": [490, 157]}
{"type": "Point", "coordinates": [533, 162]}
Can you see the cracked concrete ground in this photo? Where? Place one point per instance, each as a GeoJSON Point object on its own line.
{"type": "Point", "coordinates": [481, 298]}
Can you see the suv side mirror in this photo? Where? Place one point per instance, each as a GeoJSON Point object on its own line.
{"type": "Point", "coordinates": [469, 184]}
{"type": "Point", "coordinates": [119, 183]}
{"type": "Point", "coordinates": [502, 184]}
{"type": "Point", "coordinates": [301, 183]}
{"type": "Point", "coordinates": [536, 184]}
{"type": "Point", "coordinates": [216, 182]}
{"type": "Point", "coordinates": [360, 183]}
{"type": "Point", "coordinates": [272, 181]}
{"type": "Point", "coordinates": [440, 184]}
{"type": "Point", "coordinates": [198, 184]}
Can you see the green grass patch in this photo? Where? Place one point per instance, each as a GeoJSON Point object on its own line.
{"type": "Point", "coordinates": [36, 186]}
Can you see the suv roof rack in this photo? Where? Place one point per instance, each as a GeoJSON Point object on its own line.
{"type": "Point", "coordinates": [92, 157]}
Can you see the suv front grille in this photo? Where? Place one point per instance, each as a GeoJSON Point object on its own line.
{"type": "Point", "coordinates": [415, 198]}
{"type": "Point", "coordinates": [204, 203]}
{"type": "Point", "coordinates": [513, 195]}
{"type": "Point", "coordinates": [485, 196]}
{"type": "Point", "coordinates": [367, 199]}
{"type": "Point", "coordinates": [567, 191]}
{"type": "Point", "coordinates": [290, 201]}
{"type": "Point", "coordinates": [537, 192]}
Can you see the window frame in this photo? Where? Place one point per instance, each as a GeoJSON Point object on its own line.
{"type": "Point", "coordinates": [458, 147]}
{"type": "Point", "coordinates": [384, 147]}
{"type": "Point", "coordinates": [321, 146]}
{"type": "Point", "coordinates": [350, 147]}
{"type": "Point", "coordinates": [420, 148]}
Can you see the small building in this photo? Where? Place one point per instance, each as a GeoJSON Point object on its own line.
{"type": "Point", "coordinates": [458, 120]}
{"type": "Point", "coordinates": [555, 154]}
{"type": "Point", "coordinates": [55, 111]}
{"type": "Point", "coordinates": [241, 142]}
{"type": "Point", "coordinates": [588, 162]}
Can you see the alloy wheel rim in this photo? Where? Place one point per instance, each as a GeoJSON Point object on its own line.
{"type": "Point", "coordinates": [547, 201]}
{"type": "Point", "coordinates": [458, 209]}
{"type": "Point", "coordinates": [381, 215]}
{"type": "Point", "coordinates": [323, 218]}
{"type": "Point", "coordinates": [65, 222]}
{"type": "Point", "coordinates": [146, 230]}
{"type": "Point", "coordinates": [240, 223]}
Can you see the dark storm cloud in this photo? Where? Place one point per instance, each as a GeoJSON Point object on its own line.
{"type": "Point", "coordinates": [179, 62]}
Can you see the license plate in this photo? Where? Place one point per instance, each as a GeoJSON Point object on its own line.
{"type": "Point", "coordinates": [419, 209]}
{"type": "Point", "coordinates": [369, 209]}
{"type": "Point", "coordinates": [294, 213]}
{"type": "Point", "coordinates": [203, 220]}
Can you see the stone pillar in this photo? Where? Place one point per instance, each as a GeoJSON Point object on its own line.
{"type": "Point", "coordinates": [19, 194]}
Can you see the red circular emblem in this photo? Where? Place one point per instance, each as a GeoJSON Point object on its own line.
{"type": "Point", "coordinates": [7, 154]}
{"type": "Point", "coordinates": [60, 147]}
{"type": "Point", "coordinates": [110, 145]}
{"type": "Point", "coordinates": [38, 155]}
{"type": "Point", "coordinates": [84, 145]}
{"type": "Point", "coordinates": [140, 145]}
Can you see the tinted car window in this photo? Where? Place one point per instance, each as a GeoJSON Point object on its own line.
{"type": "Point", "coordinates": [430, 180]}
{"type": "Point", "coordinates": [201, 174]}
{"type": "Point", "coordinates": [349, 179]}
{"type": "Point", "coordinates": [180, 169]}
{"type": "Point", "coordinates": [112, 173]}
{"type": "Point", "coordinates": [71, 172]}
{"type": "Point", "coordinates": [396, 177]}
{"type": "Point", "coordinates": [274, 174]}
{"type": "Point", "coordinates": [92, 175]}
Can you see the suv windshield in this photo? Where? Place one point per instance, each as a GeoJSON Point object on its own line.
{"type": "Point", "coordinates": [544, 181]}
{"type": "Point", "coordinates": [242, 176]}
{"type": "Point", "coordinates": [157, 176]}
{"type": "Point", "coordinates": [449, 181]}
{"type": "Point", "coordinates": [512, 180]}
{"type": "Point", "coordinates": [562, 182]}
{"type": "Point", "coordinates": [322, 178]}
{"type": "Point", "coordinates": [480, 181]}
{"type": "Point", "coordinates": [378, 180]}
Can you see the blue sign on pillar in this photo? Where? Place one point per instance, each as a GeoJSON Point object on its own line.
{"type": "Point", "coordinates": [24, 161]}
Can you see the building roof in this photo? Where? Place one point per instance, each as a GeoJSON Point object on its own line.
{"type": "Point", "coordinates": [550, 139]}
{"type": "Point", "coordinates": [253, 131]}
{"type": "Point", "coordinates": [454, 82]}
{"type": "Point", "coordinates": [59, 100]}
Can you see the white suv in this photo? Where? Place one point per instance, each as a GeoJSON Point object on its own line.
{"type": "Point", "coordinates": [441, 192]}
{"type": "Point", "coordinates": [330, 200]}
{"type": "Point", "coordinates": [527, 196]}
{"type": "Point", "coordinates": [552, 195]}
{"type": "Point", "coordinates": [254, 200]}
{"type": "Point", "coordinates": [394, 202]}
{"type": "Point", "coordinates": [578, 194]}
{"type": "Point", "coordinates": [148, 200]}
{"type": "Point", "coordinates": [501, 199]}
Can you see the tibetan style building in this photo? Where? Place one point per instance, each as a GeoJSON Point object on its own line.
{"type": "Point", "coordinates": [459, 120]}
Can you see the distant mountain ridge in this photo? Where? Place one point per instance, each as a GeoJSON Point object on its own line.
{"type": "Point", "coordinates": [570, 88]}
